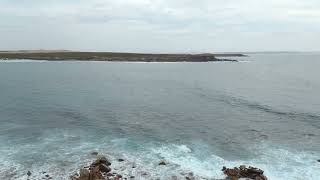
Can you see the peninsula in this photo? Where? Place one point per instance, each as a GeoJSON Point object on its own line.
{"type": "Point", "coordinates": [113, 56]}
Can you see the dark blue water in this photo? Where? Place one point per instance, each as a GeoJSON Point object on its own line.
{"type": "Point", "coordinates": [264, 111]}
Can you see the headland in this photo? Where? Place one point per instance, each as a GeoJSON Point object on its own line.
{"type": "Point", "coordinates": [63, 55]}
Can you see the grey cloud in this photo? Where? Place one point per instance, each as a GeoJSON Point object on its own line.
{"type": "Point", "coordinates": [210, 24]}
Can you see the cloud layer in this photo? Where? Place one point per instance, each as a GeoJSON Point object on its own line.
{"type": "Point", "coordinates": [160, 25]}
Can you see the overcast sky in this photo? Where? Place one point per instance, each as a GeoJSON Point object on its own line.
{"type": "Point", "coordinates": [161, 25]}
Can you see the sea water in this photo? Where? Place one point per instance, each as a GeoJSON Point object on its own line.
{"type": "Point", "coordinates": [198, 117]}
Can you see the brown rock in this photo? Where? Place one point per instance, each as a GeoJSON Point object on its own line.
{"type": "Point", "coordinates": [261, 177]}
{"type": "Point", "coordinates": [244, 172]}
{"type": "Point", "coordinates": [190, 176]}
{"type": "Point", "coordinates": [84, 174]}
{"type": "Point", "coordinates": [104, 168]}
{"type": "Point", "coordinates": [103, 160]}
{"type": "Point", "coordinates": [254, 170]}
{"type": "Point", "coordinates": [95, 174]}
{"type": "Point", "coordinates": [242, 167]}
{"type": "Point", "coordinates": [119, 176]}
{"type": "Point", "coordinates": [162, 163]}
{"type": "Point", "coordinates": [232, 172]}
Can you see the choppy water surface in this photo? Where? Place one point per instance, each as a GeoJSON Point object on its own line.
{"type": "Point", "coordinates": [199, 117]}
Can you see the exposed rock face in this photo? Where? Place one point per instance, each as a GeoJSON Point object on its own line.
{"type": "Point", "coordinates": [120, 160]}
{"type": "Point", "coordinates": [102, 160]}
{"type": "Point", "coordinates": [99, 170]}
{"type": "Point", "coordinates": [96, 174]}
{"type": "Point", "coordinates": [190, 176]}
{"type": "Point", "coordinates": [244, 172]}
{"type": "Point", "coordinates": [162, 163]}
{"type": "Point", "coordinates": [84, 174]}
{"type": "Point", "coordinates": [104, 168]}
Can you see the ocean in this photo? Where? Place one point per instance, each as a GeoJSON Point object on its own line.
{"type": "Point", "coordinates": [263, 111]}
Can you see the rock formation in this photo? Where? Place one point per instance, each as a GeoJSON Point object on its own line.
{"type": "Point", "coordinates": [244, 172]}
{"type": "Point", "coordinates": [98, 170]}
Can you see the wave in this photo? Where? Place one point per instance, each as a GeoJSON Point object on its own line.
{"type": "Point", "coordinates": [62, 152]}
{"type": "Point", "coordinates": [311, 118]}
{"type": "Point", "coordinates": [245, 61]}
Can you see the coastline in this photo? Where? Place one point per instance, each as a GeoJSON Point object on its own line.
{"type": "Point", "coordinates": [112, 56]}
{"type": "Point", "coordinates": [103, 167]}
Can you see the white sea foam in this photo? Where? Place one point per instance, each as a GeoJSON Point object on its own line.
{"type": "Point", "coordinates": [244, 61]}
{"type": "Point", "coordinates": [60, 160]}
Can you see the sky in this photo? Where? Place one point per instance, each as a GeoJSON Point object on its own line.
{"type": "Point", "coordinates": [166, 26]}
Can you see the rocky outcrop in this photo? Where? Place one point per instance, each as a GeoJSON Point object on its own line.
{"type": "Point", "coordinates": [99, 170]}
{"type": "Point", "coordinates": [120, 160]}
{"type": "Point", "coordinates": [162, 163]}
{"type": "Point", "coordinates": [109, 56]}
{"type": "Point", "coordinates": [244, 172]}
{"type": "Point", "coordinates": [43, 175]}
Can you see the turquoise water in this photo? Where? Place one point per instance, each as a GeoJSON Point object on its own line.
{"type": "Point", "coordinates": [263, 111]}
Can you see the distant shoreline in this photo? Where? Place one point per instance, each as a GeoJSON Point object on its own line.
{"type": "Point", "coordinates": [114, 56]}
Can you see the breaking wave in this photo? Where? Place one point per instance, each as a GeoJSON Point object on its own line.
{"type": "Point", "coordinates": [62, 153]}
